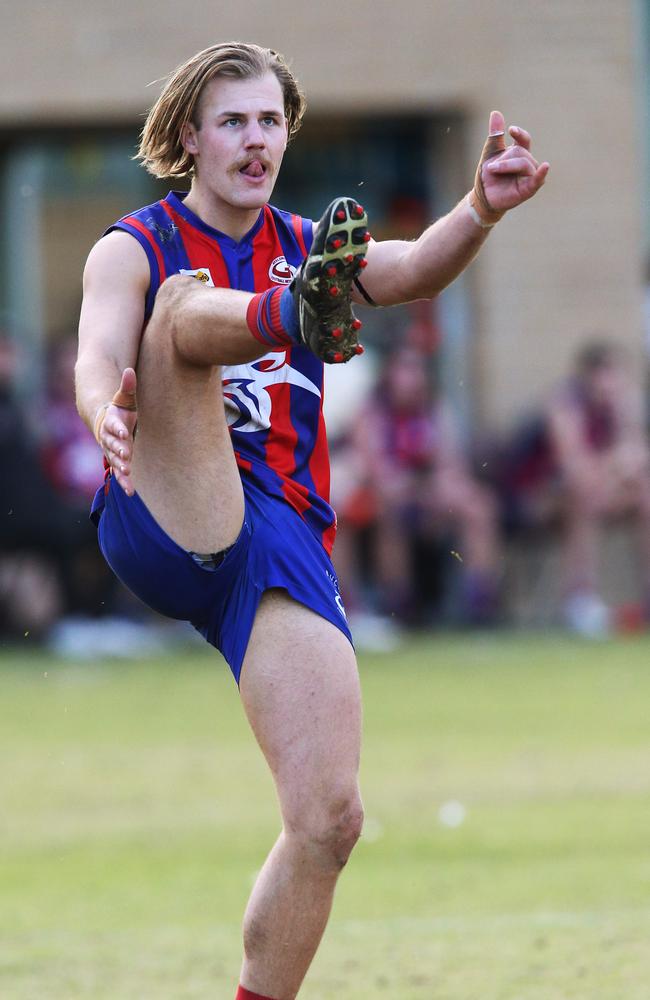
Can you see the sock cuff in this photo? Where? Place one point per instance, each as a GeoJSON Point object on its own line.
{"type": "Point", "coordinates": [264, 319]}
{"type": "Point", "coordinates": [244, 994]}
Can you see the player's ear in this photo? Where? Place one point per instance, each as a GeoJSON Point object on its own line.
{"type": "Point", "coordinates": [188, 137]}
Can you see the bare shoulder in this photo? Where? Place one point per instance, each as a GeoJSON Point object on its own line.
{"type": "Point", "coordinates": [117, 258]}
{"type": "Point", "coordinates": [115, 284]}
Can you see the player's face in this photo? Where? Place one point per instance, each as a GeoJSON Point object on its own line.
{"type": "Point", "coordinates": [239, 146]}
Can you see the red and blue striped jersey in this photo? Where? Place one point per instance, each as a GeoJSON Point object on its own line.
{"type": "Point", "coordinates": [274, 405]}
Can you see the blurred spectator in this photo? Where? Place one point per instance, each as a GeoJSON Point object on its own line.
{"type": "Point", "coordinates": [50, 565]}
{"type": "Point", "coordinates": [71, 459]}
{"type": "Point", "coordinates": [583, 462]}
{"type": "Point", "coordinates": [73, 466]}
{"type": "Point", "coordinates": [406, 474]}
{"type": "Point", "coordinates": [54, 584]}
{"type": "Point", "coordinates": [30, 590]}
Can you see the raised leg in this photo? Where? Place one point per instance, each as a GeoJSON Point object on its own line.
{"type": "Point", "coordinates": [183, 463]}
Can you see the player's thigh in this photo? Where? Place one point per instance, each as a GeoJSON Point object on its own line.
{"type": "Point", "coordinates": [184, 466]}
{"type": "Point", "coordinates": [300, 690]}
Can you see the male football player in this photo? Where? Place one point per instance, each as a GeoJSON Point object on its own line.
{"type": "Point", "coordinates": [217, 511]}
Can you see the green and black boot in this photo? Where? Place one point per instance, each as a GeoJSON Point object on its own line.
{"type": "Point", "coordinates": [322, 287]}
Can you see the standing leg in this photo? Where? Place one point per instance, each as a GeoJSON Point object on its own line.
{"type": "Point", "coordinates": [300, 691]}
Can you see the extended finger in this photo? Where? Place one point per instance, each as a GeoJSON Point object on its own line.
{"type": "Point", "coordinates": [520, 136]}
{"type": "Point", "coordinates": [115, 427]}
{"type": "Point", "coordinates": [496, 140]}
{"type": "Point", "coordinates": [497, 123]}
{"type": "Point", "coordinates": [124, 481]}
{"type": "Point", "coordinates": [115, 436]}
{"type": "Point", "coordinates": [117, 449]}
{"type": "Point", "coordinates": [120, 465]}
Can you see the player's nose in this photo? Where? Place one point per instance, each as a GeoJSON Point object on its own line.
{"type": "Point", "coordinates": [254, 135]}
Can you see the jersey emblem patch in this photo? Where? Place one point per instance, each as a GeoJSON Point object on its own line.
{"type": "Point", "coordinates": [201, 274]}
{"type": "Point", "coordinates": [281, 271]}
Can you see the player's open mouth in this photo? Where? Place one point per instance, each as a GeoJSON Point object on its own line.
{"type": "Point", "coordinates": [254, 169]}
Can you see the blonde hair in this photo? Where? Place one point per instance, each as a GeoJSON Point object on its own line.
{"type": "Point", "coordinates": [161, 150]}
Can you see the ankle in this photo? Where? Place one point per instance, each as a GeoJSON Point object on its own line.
{"type": "Point", "coordinates": [244, 994]}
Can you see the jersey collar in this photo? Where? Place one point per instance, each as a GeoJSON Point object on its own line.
{"type": "Point", "coordinates": [176, 199]}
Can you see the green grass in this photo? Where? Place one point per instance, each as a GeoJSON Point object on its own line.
{"type": "Point", "coordinates": [135, 810]}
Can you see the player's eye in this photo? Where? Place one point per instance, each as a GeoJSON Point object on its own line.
{"type": "Point", "coordinates": [270, 120]}
{"type": "Point", "coordinates": [232, 121]}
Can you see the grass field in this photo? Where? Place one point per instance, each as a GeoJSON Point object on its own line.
{"type": "Point", "coordinates": [135, 810]}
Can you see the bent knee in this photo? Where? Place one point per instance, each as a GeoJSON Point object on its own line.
{"type": "Point", "coordinates": [173, 293]}
{"type": "Point", "coordinates": [170, 303]}
{"type": "Point", "coordinates": [174, 316]}
{"type": "Point", "coordinates": [331, 835]}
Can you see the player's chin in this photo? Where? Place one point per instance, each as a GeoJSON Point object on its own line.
{"type": "Point", "coordinates": [256, 187]}
{"type": "Point", "coordinates": [255, 198]}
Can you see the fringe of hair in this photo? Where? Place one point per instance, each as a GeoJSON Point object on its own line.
{"type": "Point", "coordinates": [161, 150]}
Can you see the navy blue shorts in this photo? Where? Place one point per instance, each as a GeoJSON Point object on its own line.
{"type": "Point", "coordinates": [275, 548]}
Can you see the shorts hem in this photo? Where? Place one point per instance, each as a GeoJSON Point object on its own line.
{"type": "Point", "coordinates": [300, 597]}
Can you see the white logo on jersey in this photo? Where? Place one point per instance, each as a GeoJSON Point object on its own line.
{"type": "Point", "coordinates": [201, 274]}
{"type": "Point", "coordinates": [281, 271]}
{"type": "Point", "coordinates": [248, 404]}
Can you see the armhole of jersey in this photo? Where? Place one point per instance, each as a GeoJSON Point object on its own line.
{"type": "Point", "coordinates": [154, 269]}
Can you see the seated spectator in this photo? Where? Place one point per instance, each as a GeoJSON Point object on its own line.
{"type": "Point", "coordinates": [31, 596]}
{"type": "Point", "coordinates": [408, 476]}
{"type": "Point", "coordinates": [73, 467]}
{"type": "Point", "coordinates": [54, 584]}
{"type": "Point", "coordinates": [584, 461]}
{"type": "Point", "coordinates": [71, 459]}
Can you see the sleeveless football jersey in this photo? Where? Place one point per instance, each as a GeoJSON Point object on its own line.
{"type": "Point", "coordinates": [274, 405]}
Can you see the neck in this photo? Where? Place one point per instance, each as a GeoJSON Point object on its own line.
{"type": "Point", "coordinates": [234, 222]}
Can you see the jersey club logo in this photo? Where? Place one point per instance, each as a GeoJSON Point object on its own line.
{"type": "Point", "coordinates": [281, 271]}
{"type": "Point", "coordinates": [201, 274]}
{"type": "Point", "coordinates": [245, 389]}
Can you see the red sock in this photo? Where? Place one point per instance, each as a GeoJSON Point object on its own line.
{"type": "Point", "coordinates": [243, 994]}
{"type": "Point", "coordinates": [272, 318]}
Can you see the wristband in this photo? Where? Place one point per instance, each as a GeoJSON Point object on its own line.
{"type": "Point", "coordinates": [99, 420]}
{"type": "Point", "coordinates": [476, 217]}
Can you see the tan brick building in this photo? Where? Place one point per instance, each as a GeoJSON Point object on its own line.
{"type": "Point", "coordinates": [566, 266]}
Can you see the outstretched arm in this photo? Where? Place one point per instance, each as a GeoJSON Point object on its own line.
{"type": "Point", "coordinates": [506, 176]}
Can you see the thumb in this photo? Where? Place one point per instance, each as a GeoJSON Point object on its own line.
{"type": "Point", "coordinates": [125, 397]}
{"type": "Point", "coordinates": [496, 140]}
{"type": "Point", "coordinates": [494, 144]}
